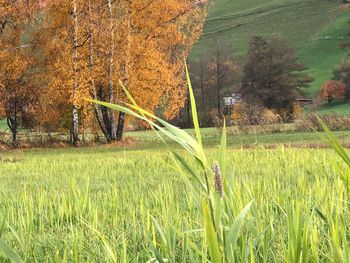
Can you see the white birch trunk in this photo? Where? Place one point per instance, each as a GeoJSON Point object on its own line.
{"type": "Point", "coordinates": [75, 115]}
{"type": "Point", "coordinates": [111, 68]}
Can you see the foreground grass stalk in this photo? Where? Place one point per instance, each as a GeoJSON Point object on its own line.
{"type": "Point", "coordinates": [221, 234]}
{"type": "Point", "coordinates": [9, 252]}
{"type": "Point", "coordinates": [340, 150]}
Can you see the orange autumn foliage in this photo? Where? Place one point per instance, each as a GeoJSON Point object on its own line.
{"type": "Point", "coordinates": [331, 90]}
{"type": "Point", "coordinates": [82, 48]}
{"type": "Point", "coordinates": [143, 45]}
{"type": "Point", "coordinates": [19, 97]}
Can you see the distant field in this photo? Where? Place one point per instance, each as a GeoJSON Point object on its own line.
{"type": "Point", "coordinates": [279, 135]}
{"type": "Point", "coordinates": [211, 137]}
{"type": "Point", "coordinates": [259, 136]}
{"type": "Point", "coordinates": [337, 107]}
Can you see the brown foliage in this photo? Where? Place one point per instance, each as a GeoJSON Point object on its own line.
{"type": "Point", "coordinates": [331, 90]}
{"type": "Point", "coordinates": [245, 114]}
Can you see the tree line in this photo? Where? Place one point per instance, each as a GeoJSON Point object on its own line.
{"type": "Point", "coordinates": [56, 53]}
{"type": "Point", "coordinates": [272, 78]}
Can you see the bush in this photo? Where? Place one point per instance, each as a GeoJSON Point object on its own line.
{"type": "Point", "coordinates": [246, 115]}
{"type": "Point", "coordinates": [216, 118]}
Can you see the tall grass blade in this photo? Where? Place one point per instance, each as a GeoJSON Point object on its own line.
{"type": "Point", "coordinates": [223, 149]}
{"type": "Point", "coordinates": [193, 108]}
{"type": "Point", "coordinates": [108, 248]}
{"type": "Point", "coordinates": [9, 252]}
{"type": "Point", "coordinates": [232, 236]}
{"type": "Point", "coordinates": [188, 169]}
{"type": "Point", "coordinates": [334, 143]}
{"type": "Point", "coordinates": [211, 235]}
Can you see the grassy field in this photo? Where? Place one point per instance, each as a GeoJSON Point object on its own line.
{"type": "Point", "coordinates": [149, 141]}
{"type": "Point", "coordinates": [316, 28]}
{"type": "Point", "coordinates": [259, 136]}
{"type": "Point", "coordinates": [237, 21]}
{"type": "Point", "coordinates": [90, 205]}
{"type": "Point", "coordinates": [336, 107]}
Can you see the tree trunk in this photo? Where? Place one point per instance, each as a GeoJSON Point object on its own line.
{"type": "Point", "coordinates": [98, 113]}
{"type": "Point", "coordinates": [14, 137]}
{"type": "Point", "coordinates": [202, 84]}
{"type": "Point", "coordinates": [111, 69]}
{"type": "Point", "coordinates": [75, 126]}
{"type": "Point", "coordinates": [218, 85]}
{"type": "Point", "coordinates": [121, 118]}
{"type": "Point", "coordinates": [202, 92]}
{"type": "Point", "coordinates": [120, 128]}
{"type": "Point", "coordinates": [75, 114]}
{"type": "Point", "coordinates": [12, 124]}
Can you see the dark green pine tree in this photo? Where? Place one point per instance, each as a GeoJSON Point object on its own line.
{"type": "Point", "coordinates": [273, 77]}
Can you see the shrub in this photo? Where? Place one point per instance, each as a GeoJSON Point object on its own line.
{"type": "Point", "coordinates": [216, 118]}
{"type": "Point", "coordinates": [244, 114]}
{"type": "Point", "coordinates": [297, 110]}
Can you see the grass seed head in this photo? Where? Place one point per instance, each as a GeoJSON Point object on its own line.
{"type": "Point", "coordinates": [218, 179]}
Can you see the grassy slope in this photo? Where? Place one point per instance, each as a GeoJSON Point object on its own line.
{"type": "Point", "coordinates": [303, 22]}
{"type": "Point", "coordinates": [3, 125]}
{"type": "Point", "coordinates": [322, 52]}
{"type": "Point", "coordinates": [237, 21]}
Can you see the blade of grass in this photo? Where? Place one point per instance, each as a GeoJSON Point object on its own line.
{"type": "Point", "coordinates": [107, 246]}
{"type": "Point", "coordinates": [211, 235]}
{"type": "Point", "coordinates": [232, 236]}
{"type": "Point", "coordinates": [222, 149]}
{"type": "Point", "coordinates": [194, 108]}
{"type": "Point", "coordinates": [334, 143]}
{"type": "Point", "coordinates": [9, 252]}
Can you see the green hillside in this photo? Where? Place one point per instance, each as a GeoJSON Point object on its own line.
{"type": "Point", "coordinates": [315, 28]}
{"type": "Point", "coordinates": [3, 125]}
{"type": "Point", "coordinates": [322, 51]}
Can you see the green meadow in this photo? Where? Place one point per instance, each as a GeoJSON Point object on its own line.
{"type": "Point", "coordinates": [117, 204]}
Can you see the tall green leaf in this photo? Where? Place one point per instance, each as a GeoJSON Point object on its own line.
{"type": "Point", "coordinates": [232, 236]}
{"type": "Point", "coordinates": [9, 252]}
{"type": "Point", "coordinates": [194, 108]}
{"type": "Point", "coordinates": [223, 149]}
{"type": "Point", "coordinates": [334, 143]}
{"type": "Point", "coordinates": [211, 235]}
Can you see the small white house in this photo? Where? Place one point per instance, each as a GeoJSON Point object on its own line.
{"type": "Point", "coordinates": [232, 100]}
